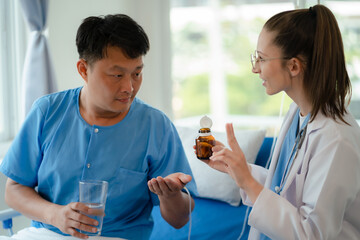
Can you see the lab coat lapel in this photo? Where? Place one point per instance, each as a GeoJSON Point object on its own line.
{"type": "Point", "coordinates": [300, 158]}
{"type": "Point", "coordinates": [279, 142]}
{"type": "Point", "coordinates": [296, 166]}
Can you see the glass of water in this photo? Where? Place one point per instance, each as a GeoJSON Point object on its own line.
{"type": "Point", "coordinates": [93, 194]}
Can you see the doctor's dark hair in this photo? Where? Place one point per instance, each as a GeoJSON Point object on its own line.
{"type": "Point", "coordinates": [95, 34]}
{"type": "Point", "coordinates": [313, 36]}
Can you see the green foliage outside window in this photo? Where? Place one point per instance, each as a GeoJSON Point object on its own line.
{"type": "Point", "coordinates": [245, 94]}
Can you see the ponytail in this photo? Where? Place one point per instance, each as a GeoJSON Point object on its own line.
{"type": "Point", "coordinates": [313, 36]}
{"type": "Point", "coordinates": [329, 83]}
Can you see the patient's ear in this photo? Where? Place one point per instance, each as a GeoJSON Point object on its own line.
{"type": "Point", "coordinates": [82, 68]}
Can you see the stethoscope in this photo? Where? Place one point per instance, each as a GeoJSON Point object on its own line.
{"type": "Point", "coordinates": [297, 145]}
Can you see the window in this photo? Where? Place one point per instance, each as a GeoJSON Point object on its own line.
{"type": "Point", "coordinates": [12, 51]}
{"type": "Point", "coordinates": [348, 15]}
{"type": "Point", "coordinates": [212, 43]}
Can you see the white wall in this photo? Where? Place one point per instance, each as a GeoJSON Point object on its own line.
{"type": "Point", "coordinates": [66, 15]}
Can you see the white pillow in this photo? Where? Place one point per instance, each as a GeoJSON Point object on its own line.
{"type": "Point", "coordinates": [210, 182]}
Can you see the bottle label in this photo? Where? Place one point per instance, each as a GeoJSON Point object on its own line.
{"type": "Point", "coordinates": [204, 134]}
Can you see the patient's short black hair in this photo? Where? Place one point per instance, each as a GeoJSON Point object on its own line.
{"type": "Point", "coordinates": [95, 34]}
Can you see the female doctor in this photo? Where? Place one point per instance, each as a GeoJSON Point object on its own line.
{"type": "Point", "coordinates": [312, 188]}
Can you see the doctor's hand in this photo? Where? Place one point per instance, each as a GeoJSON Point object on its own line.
{"type": "Point", "coordinates": [69, 219]}
{"type": "Point", "coordinates": [169, 186]}
{"type": "Point", "coordinates": [231, 161]}
{"type": "Point", "coordinates": [217, 165]}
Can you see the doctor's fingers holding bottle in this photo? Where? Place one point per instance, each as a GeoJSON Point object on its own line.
{"type": "Point", "coordinates": [234, 160]}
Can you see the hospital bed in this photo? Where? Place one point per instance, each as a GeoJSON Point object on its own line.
{"type": "Point", "coordinates": [211, 218]}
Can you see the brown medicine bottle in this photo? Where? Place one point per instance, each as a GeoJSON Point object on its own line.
{"type": "Point", "coordinates": [204, 143]}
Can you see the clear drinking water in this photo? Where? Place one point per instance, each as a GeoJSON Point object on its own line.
{"type": "Point", "coordinates": [99, 209]}
{"type": "Point", "coordinates": [93, 194]}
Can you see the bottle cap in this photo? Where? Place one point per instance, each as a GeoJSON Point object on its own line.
{"type": "Point", "coordinates": [205, 122]}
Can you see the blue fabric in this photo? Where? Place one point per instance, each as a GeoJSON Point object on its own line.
{"type": "Point", "coordinates": [55, 147]}
{"type": "Point", "coordinates": [287, 154]}
{"type": "Point", "coordinates": [286, 151]}
{"type": "Point", "coordinates": [263, 156]}
{"type": "Point", "coordinates": [211, 219]}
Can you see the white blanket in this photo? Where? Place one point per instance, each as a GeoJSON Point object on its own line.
{"type": "Point", "coordinates": [32, 233]}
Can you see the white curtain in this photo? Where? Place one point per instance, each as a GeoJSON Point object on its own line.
{"type": "Point", "coordinates": [38, 74]}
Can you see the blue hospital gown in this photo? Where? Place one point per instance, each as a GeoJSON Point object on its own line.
{"type": "Point", "coordinates": [56, 148]}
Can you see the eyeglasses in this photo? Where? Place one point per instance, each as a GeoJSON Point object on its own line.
{"type": "Point", "coordinates": [255, 58]}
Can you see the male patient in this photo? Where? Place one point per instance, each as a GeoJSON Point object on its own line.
{"type": "Point", "coordinates": [100, 131]}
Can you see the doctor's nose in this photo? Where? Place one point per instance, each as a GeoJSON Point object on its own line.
{"type": "Point", "coordinates": [255, 69]}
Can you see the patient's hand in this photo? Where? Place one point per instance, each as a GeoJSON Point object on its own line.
{"type": "Point", "coordinates": [174, 204]}
{"type": "Point", "coordinates": [70, 220]}
{"type": "Point", "coordinates": [67, 218]}
{"type": "Point", "coordinates": [170, 185]}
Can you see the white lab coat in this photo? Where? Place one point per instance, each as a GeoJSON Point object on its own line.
{"type": "Point", "coordinates": [321, 196]}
